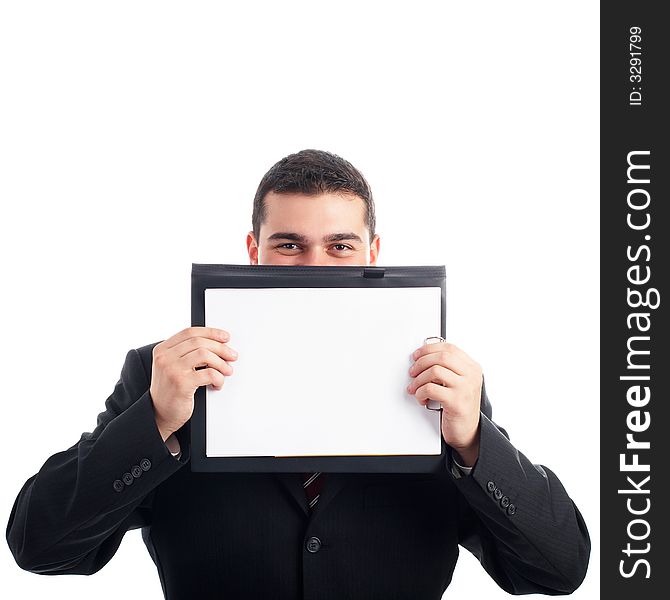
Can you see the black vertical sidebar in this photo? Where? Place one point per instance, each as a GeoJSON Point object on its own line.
{"type": "Point", "coordinates": [635, 337]}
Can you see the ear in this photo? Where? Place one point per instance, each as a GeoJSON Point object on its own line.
{"type": "Point", "coordinates": [374, 250]}
{"type": "Point", "coordinates": [252, 248]}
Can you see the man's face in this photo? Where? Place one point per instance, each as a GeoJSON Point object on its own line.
{"type": "Point", "coordinates": [327, 229]}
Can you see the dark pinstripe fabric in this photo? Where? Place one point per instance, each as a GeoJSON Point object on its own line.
{"type": "Point", "coordinates": [252, 535]}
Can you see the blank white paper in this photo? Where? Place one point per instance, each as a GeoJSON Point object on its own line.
{"type": "Point", "coordinates": [321, 372]}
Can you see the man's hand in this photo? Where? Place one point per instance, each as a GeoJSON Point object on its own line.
{"type": "Point", "coordinates": [174, 378]}
{"type": "Point", "coordinates": [444, 373]}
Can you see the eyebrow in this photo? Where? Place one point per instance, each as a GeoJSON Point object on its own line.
{"type": "Point", "coordinates": [296, 237]}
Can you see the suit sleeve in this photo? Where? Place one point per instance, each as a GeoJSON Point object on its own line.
{"type": "Point", "coordinates": [70, 517]}
{"type": "Point", "coordinates": [518, 520]}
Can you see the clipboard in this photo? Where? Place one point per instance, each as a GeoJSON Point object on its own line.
{"type": "Point", "coordinates": [235, 432]}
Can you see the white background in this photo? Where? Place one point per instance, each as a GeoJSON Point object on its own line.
{"type": "Point", "coordinates": [133, 136]}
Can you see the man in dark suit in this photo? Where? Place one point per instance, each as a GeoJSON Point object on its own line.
{"type": "Point", "coordinates": [260, 535]}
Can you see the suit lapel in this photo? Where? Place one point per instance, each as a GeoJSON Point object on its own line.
{"type": "Point", "coordinates": [331, 487]}
{"type": "Point", "coordinates": [292, 485]}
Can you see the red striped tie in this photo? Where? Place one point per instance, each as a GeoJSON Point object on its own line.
{"type": "Point", "coordinates": [313, 482]}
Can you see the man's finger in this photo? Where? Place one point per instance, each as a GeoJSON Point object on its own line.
{"type": "Point", "coordinates": [435, 374]}
{"type": "Point", "coordinates": [448, 346]}
{"type": "Point", "coordinates": [190, 345]}
{"type": "Point", "coordinates": [439, 356]}
{"type": "Point", "coordinates": [212, 333]}
{"type": "Point", "coordinates": [434, 391]}
{"type": "Point", "coordinates": [209, 376]}
{"type": "Point", "coordinates": [202, 357]}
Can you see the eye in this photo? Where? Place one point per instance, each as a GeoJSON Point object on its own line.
{"type": "Point", "coordinates": [287, 244]}
{"type": "Point", "coordinates": [343, 246]}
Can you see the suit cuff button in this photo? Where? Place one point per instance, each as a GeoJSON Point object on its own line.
{"type": "Point", "coordinates": [118, 485]}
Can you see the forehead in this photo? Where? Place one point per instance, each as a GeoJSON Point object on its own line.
{"type": "Point", "coordinates": [316, 213]}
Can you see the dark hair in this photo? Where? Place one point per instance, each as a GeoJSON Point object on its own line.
{"type": "Point", "coordinates": [313, 172]}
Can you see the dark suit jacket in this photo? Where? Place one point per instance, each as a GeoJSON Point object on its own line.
{"type": "Point", "coordinates": [219, 535]}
